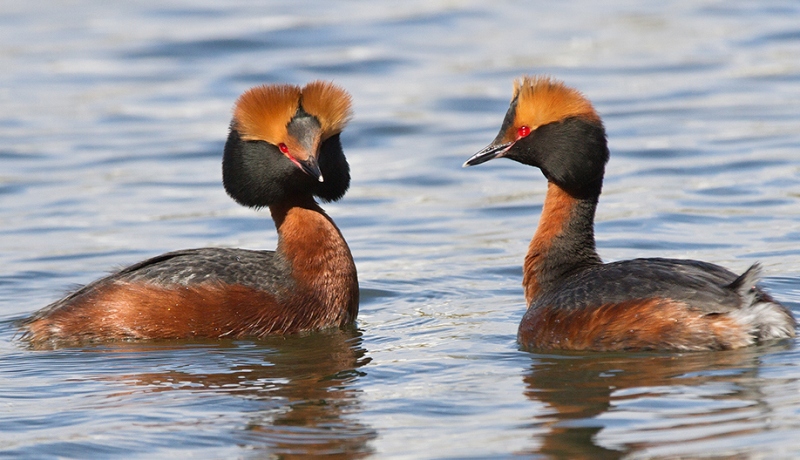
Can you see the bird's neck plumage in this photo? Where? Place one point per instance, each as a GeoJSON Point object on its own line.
{"type": "Point", "coordinates": [320, 260]}
{"type": "Point", "coordinates": [563, 242]}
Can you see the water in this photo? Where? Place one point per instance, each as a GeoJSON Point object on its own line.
{"type": "Point", "coordinates": [112, 121]}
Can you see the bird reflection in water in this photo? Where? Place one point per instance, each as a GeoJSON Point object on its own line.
{"type": "Point", "coordinates": [582, 392]}
{"type": "Point", "coordinates": [301, 386]}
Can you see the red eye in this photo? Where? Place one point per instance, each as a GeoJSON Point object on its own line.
{"type": "Point", "coordinates": [523, 131]}
{"type": "Point", "coordinates": [283, 148]}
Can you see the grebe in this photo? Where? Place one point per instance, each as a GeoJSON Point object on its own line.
{"type": "Point", "coordinates": [282, 151]}
{"type": "Point", "coordinates": [575, 301]}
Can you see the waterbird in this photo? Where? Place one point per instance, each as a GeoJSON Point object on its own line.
{"type": "Point", "coordinates": [577, 302]}
{"type": "Point", "coordinates": [283, 151]}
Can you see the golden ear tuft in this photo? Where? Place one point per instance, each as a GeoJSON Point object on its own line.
{"type": "Point", "coordinates": [542, 100]}
{"type": "Point", "coordinates": [330, 104]}
{"type": "Point", "coordinates": [262, 112]}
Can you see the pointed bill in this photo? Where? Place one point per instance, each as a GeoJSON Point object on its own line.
{"type": "Point", "coordinates": [490, 152]}
{"type": "Point", "coordinates": [310, 166]}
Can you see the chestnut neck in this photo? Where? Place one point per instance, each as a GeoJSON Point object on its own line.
{"type": "Point", "coordinates": [320, 260]}
{"type": "Point", "coordinates": [563, 243]}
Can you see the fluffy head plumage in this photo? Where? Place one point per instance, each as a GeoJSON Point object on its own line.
{"type": "Point", "coordinates": [330, 104]}
{"type": "Point", "coordinates": [284, 142]}
{"type": "Point", "coordinates": [262, 113]}
{"type": "Point", "coordinates": [541, 100]}
{"type": "Point", "coordinates": [555, 128]}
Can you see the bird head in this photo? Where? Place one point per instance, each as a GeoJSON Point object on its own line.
{"type": "Point", "coordinates": [284, 140]}
{"type": "Point", "coordinates": [555, 128]}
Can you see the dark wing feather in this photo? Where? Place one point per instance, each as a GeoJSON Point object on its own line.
{"type": "Point", "coordinates": [703, 286]}
{"type": "Point", "coordinates": [257, 269]}
{"type": "Point", "coordinates": [262, 270]}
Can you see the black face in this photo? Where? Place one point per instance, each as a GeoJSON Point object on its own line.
{"type": "Point", "coordinates": [572, 153]}
{"type": "Point", "coordinates": [335, 170]}
{"type": "Point", "coordinates": [508, 121]}
{"type": "Point", "coordinates": [257, 174]}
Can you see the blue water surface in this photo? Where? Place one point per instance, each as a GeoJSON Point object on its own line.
{"type": "Point", "coordinates": [112, 121]}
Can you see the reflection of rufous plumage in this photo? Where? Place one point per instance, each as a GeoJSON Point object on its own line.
{"type": "Point", "coordinates": [576, 390]}
{"type": "Point", "coordinates": [299, 389]}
